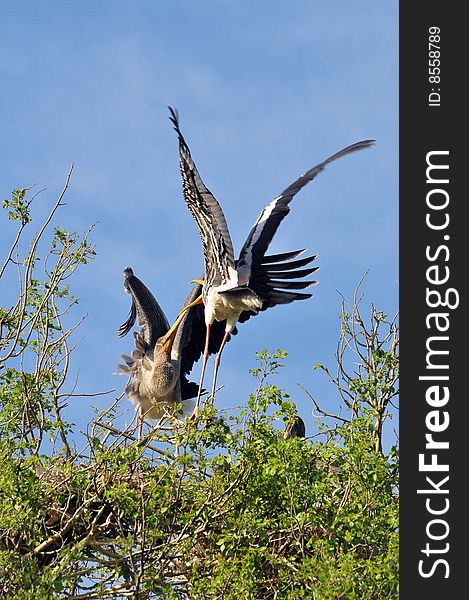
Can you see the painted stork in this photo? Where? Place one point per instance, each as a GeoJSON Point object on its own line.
{"type": "Point", "coordinates": [232, 289]}
{"type": "Point", "coordinates": [163, 357]}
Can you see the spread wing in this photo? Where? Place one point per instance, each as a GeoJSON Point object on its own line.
{"type": "Point", "coordinates": [264, 229]}
{"type": "Point", "coordinates": [145, 309]}
{"type": "Point", "coordinates": [190, 339]}
{"type": "Point", "coordinates": [209, 217]}
{"type": "Point", "coordinates": [188, 343]}
{"type": "Point", "coordinates": [270, 280]}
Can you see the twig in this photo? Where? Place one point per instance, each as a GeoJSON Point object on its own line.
{"type": "Point", "coordinates": [323, 412]}
{"type": "Point", "coordinates": [119, 433]}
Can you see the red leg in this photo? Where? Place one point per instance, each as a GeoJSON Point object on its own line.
{"type": "Point", "coordinates": [204, 364]}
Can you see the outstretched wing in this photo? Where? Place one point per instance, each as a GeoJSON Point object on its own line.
{"type": "Point", "coordinates": [270, 280]}
{"type": "Point", "coordinates": [145, 309]}
{"type": "Point", "coordinates": [189, 343]}
{"type": "Point", "coordinates": [207, 213]}
{"type": "Point", "coordinates": [270, 218]}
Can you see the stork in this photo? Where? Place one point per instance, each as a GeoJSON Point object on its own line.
{"type": "Point", "coordinates": [295, 427]}
{"type": "Point", "coordinates": [232, 289]}
{"type": "Point", "coordinates": [162, 357]}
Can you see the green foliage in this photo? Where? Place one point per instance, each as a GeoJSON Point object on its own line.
{"type": "Point", "coordinates": [224, 507]}
{"type": "Point", "coordinates": [262, 517]}
{"type": "Point", "coordinates": [372, 356]}
{"type": "Point", "coordinates": [34, 348]}
{"type": "Point", "coordinates": [17, 206]}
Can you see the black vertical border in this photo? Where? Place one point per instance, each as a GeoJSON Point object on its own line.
{"type": "Point", "coordinates": [424, 128]}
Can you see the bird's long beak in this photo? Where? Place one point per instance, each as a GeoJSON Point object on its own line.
{"type": "Point", "coordinates": [196, 302]}
{"type": "Point", "coordinates": [201, 281]}
{"type": "Point", "coordinates": [168, 338]}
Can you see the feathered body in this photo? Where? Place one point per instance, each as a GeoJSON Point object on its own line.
{"type": "Point", "coordinates": [154, 381]}
{"type": "Point", "coordinates": [295, 428]}
{"type": "Point", "coordinates": [154, 371]}
{"type": "Point", "coordinates": [163, 356]}
{"type": "Point", "coordinates": [228, 305]}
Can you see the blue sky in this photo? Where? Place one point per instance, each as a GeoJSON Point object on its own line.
{"type": "Point", "coordinates": [264, 91]}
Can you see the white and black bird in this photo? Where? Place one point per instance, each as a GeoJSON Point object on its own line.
{"type": "Point", "coordinates": [163, 356]}
{"type": "Point", "coordinates": [233, 290]}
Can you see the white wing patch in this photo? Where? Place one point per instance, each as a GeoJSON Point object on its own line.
{"type": "Point", "coordinates": [244, 267]}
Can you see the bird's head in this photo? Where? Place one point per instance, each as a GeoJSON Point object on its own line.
{"type": "Point", "coordinates": [165, 343]}
{"type": "Point", "coordinates": [295, 427]}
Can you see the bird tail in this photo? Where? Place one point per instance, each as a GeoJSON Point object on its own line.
{"type": "Point", "coordinates": [189, 389]}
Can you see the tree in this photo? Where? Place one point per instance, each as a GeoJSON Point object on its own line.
{"type": "Point", "coordinates": [237, 512]}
